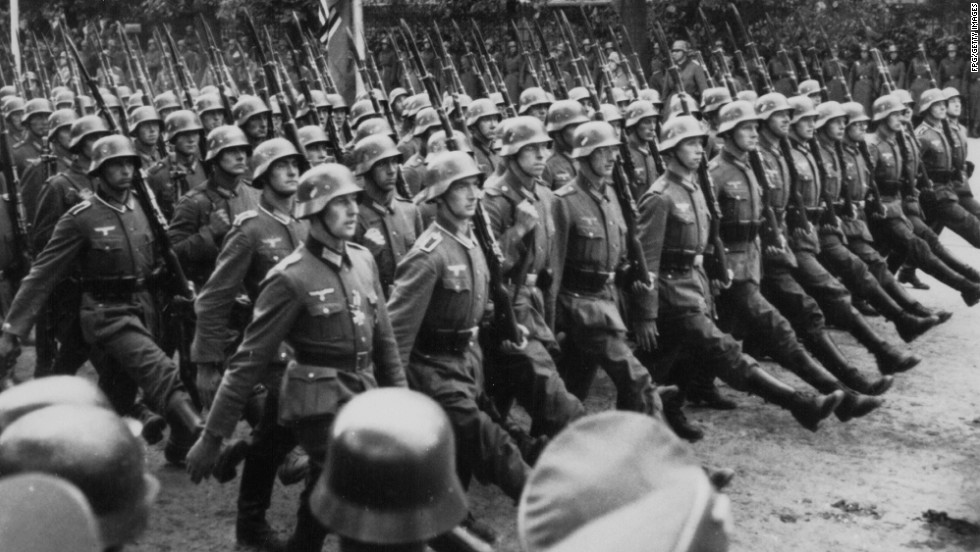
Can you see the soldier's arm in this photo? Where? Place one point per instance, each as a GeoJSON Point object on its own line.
{"type": "Point", "coordinates": [217, 296]}
{"type": "Point", "coordinates": [654, 208]}
{"type": "Point", "coordinates": [415, 280]}
{"type": "Point", "coordinates": [50, 267]}
{"type": "Point", "coordinates": [509, 236]}
{"type": "Point", "coordinates": [192, 238]}
{"type": "Point", "coordinates": [276, 311]}
{"type": "Point", "coordinates": [388, 367]}
{"type": "Point", "coordinates": [563, 224]}
{"type": "Point", "coordinates": [50, 207]}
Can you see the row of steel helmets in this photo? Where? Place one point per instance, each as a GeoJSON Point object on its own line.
{"type": "Point", "coordinates": [100, 494]}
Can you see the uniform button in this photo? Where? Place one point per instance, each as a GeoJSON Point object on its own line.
{"type": "Point", "coordinates": [363, 339]}
{"type": "Point", "coordinates": [326, 310]}
{"type": "Point", "coordinates": [310, 375]}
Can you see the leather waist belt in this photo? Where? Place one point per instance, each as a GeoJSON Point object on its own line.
{"type": "Point", "coordinates": [586, 281]}
{"type": "Point", "coordinates": [447, 341]}
{"type": "Point", "coordinates": [680, 261]}
{"type": "Point", "coordinates": [530, 280]}
{"type": "Point", "coordinates": [112, 287]}
{"type": "Point", "coordinates": [739, 231]}
{"type": "Point", "coordinates": [347, 363]}
{"type": "Point", "coordinates": [942, 176]}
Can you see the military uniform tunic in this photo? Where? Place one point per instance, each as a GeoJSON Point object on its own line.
{"type": "Point", "coordinates": [388, 231]}
{"type": "Point", "coordinates": [173, 177]}
{"type": "Point", "coordinates": [486, 159]}
{"type": "Point", "coordinates": [27, 152]}
{"type": "Point", "coordinates": [942, 207]}
{"type": "Point", "coordinates": [559, 169]}
{"type": "Point", "coordinates": [644, 165]}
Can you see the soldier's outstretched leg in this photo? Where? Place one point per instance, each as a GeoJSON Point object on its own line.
{"type": "Point", "coordinates": [808, 409]}
{"type": "Point", "coordinates": [309, 534]}
{"type": "Point", "coordinates": [890, 359]}
{"type": "Point", "coordinates": [825, 349]}
{"type": "Point", "coordinates": [949, 213]}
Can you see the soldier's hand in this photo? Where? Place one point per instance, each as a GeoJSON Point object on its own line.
{"type": "Point", "coordinates": [219, 224]}
{"type": "Point", "coordinates": [801, 233]}
{"type": "Point", "coordinates": [202, 457]}
{"type": "Point", "coordinates": [208, 381]}
{"type": "Point", "coordinates": [511, 348]}
{"type": "Point", "coordinates": [646, 335]}
{"type": "Point", "coordinates": [526, 216]}
{"type": "Point", "coordinates": [9, 351]}
{"type": "Point", "coordinates": [639, 288]}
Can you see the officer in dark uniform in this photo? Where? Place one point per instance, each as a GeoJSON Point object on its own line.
{"type": "Point", "coordinates": [641, 129]}
{"type": "Point", "coordinates": [673, 228]}
{"type": "Point", "coordinates": [519, 206]}
{"type": "Point", "coordinates": [742, 310]}
{"type": "Point", "coordinates": [482, 119]}
{"type": "Point", "coordinates": [171, 178]}
{"type": "Point", "coordinates": [325, 301]}
{"type": "Point", "coordinates": [794, 281]}
{"type": "Point", "coordinates": [564, 116]}
{"type": "Point", "coordinates": [259, 240]}
{"type": "Point", "coordinates": [28, 151]}
{"type": "Point", "coordinates": [203, 217]}
{"type": "Point", "coordinates": [439, 300]}
{"type": "Point", "coordinates": [145, 126]}
{"type": "Point", "coordinates": [253, 117]}
{"type": "Point", "coordinates": [107, 244]}
{"type": "Point", "coordinates": [387, 224]}
{"type": "Point", "coordinates": [895, 233]}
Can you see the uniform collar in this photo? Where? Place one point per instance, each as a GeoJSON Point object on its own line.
{"type": "Point", "coordinates": [465, 241]}
{"type": "Point", "coordinates": [224, 192]}
{"type": "Point", "coordinates": [377, 203]}
{"type": "Point", "coordinates": [593, 184]}
{"type": "Point", "coordinates": [739, 160]}
{"type": "Point", "coordinates": [686, 182]}
{"type": "Point", "coordinates": [129, 204]}
{"type": "Point", "coordinates": [521, 185]}
{"type": "Point", "coordinates": [327, 254]}
{"type": "Point", "coordinates": [268, 209]}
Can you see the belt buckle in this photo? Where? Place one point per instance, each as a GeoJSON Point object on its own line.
{"type": "Point", "coordinates": [362, 361]}
{"type": "Point", "coordinates": [698, 261]}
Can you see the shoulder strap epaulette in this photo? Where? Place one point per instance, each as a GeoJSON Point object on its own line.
{"type": "Point", "coordinates": [79, 207]}
{"type": "Point", "coordinates": [242, 217]}
{"type": "Point", "coordinates": [356, 246]}
{"type": "Point", "coordinates": [566, 190]}
{"type": "Point", "coordinates": [432, 240]}
{"type": "Point", "coordinates": [290, 259]}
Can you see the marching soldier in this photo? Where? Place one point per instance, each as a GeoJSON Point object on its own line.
{"type": "Point", "coordinates": [317, 145]}
{"type": "Point", "coordinates": [253, 117]}
{"type": "Point", "coordinates": [165, 103]}
{"type": "Point", "coordinates": [952, 68]}
{"type": "Point", "coordinates": [203, 217]}
{"type": "Point", "coordinates": [438, 303]}
{"type": "Point", "coordinates": [519, 207]}
{"type": "Point", "coordinates": [534, 101]}
{"type": "Point", "coordinates": [387, 224]}
{"type": "Point", "coordinates": [482, 119]}
{"type": "Point", "coordinates": [414, 168]}
{"type": "Point", "coordinates": [641, 130]}
{"type": "Point", "coordinates": [183, 170]}
{"type": "Point", "coordinates": [13, 112]}
{"type": "Point", "coordinates": [106, 243]}
{"type": "Point", "coordinates": [861, 78]}
{"type": "Point", "coordinates": [258, 241]}
{"type": "Point", "coordinates": [60, 159]}
{"type": "Point", "coordinates": [954, 112]}
{"type": "Point", "coordinates": [145, 126]}
{"type": "Point", "coordinates": [896, 70]}
{"type": "Point", "coordinates": [325, 301]}
{"type": "Point", "coordinates": [211, 111]}
{"type": "Point", "coordinates": [28, 151]}
{"type": "Point", "coordinates": [673, 226]}
{"type": "Point", "coordinates": [693, 75]}
{"type": "Point", "coordinates": [564, 116]}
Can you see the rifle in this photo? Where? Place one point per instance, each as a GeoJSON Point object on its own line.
{"type": "Point", "coordinates": [528, 62]}
{"type": "Point", "coordinates": [575, 57]}
{"type": "Point", "coordinates": [539, 61]}
{"type": "Point", "coordinates": [167, 66]}
{"type": "Point", "coordinates": [739, 57]}
{"type": "Point", "coordinates": [492, 70]}
{"type": "Point", "coordinates": [380, 86]}
{"type": "Point", "coordinates": [331, 126]}
{"type": "Point", "coordinates": [634, 58]}
{"type": "Point", "coordinates": [403, 64]}
{"type": "Point", "coordinates": [704, 177]}
{"type": "Point", "coordinates": [20, 263]}
{"type": "Point", "coordinates": [561, 90]}
{"type": "Point", "coordinates": [144, 69]}
{"type": "Point", "coordinates": [134, 74]}
{"type": "Point", "coordinates": [42, 72]}
{"type": "Point", "coordinates": [485, 90]}
{"type": "Point", "coordinates": [752, 49]}
{"type": "Point", "coordinates": [185, 91]}
{"type": "Point", "coordinates": [217, 62]}
{"type": "Point", "coordinates": [624, 64]}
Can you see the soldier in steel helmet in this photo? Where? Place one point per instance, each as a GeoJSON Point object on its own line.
{"type": "Point", "coordinates": [59, 159]}
{"type": "Point", "coordinates": [183, 170]}
{"type": "Point", "coordinates": [414, 168]}
{"type": "Point", "coordinates": [146, 127]}
{"type": "Point", "coordinates": [438, 303]}
{"type": "Point", "coordinates": [37, 500]}
{"type": "Point", "coordinates": [12, 108]}
{"type": "Point", "coordinates": [254, 118]}
{"type": "Point", "coordinates": [258, 241]}
{"type": "Point", "coordinates": [564, 116]}
{"type": "Point", "coordinates": [387, 224]}
{"type": "Point", "coordinates": [642, 118]}
{"type": "Point", "coordinates": [106, 243]}
{"type": "Point", "coordinates": [317, 145]}
{"type": "Point", "coordinates": [519, 206]}
{"type": "Point", "coordinates": [28, 151]}
{"type": "Point", "coordinates": [673, 225]}
{"type": "Point", "coordinates": [326, 302]}
{"type": "Point", "coordinates": [482, 119]}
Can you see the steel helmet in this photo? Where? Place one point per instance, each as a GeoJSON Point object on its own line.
{"type": "Point", "coordinates": [111, 100]}
{"type": "Point", "coordinates": [926, 99]}
{"type": "Point", "coordinates": [337, 102]}
{"type": "Point", "coordinates": [8, 91]}
{"type": "Point", "coordinates": [808, 87]}
{"type": "Point", "coordinates": [639, 110]}
{"type": "Point", "coordinates": [437, 143]}
{"type": "Point", "coordinates": [11, 105]}
{"type": "Point", "coordinates": [37, 107]}
{"type": "Point", "coordinates": [747, 95]}
{"type": "Point", "coordinates": [319, 101]}
{"type": "Point", "coordinates": [44, 392]}
{"type": "Point", "coordinates": [60, 119]}
{"type": "Point", "coordinates": [84, 127]}
{"type": "Point", "coordinates": [855, 112]}
{"type": "Point", "coordinates": [497, 98]}
{"type": "Point", "coordinates": [951, 92]}
{"type": "Point", "coordinates": [517, 132]}
{"type": "Point", "coordinates": [372, 149]}
{"type": "Point", "coordinates": [415, 103]}
{"type": "Point", "coordinates": [610, 112]}
{"type": "Point", "coordinates": [145, 114]}
{"type": "Point", "coordinates": [124, 91]}
{"type": "Point", "coordinates": [563, 113]}
{"type": "Point", "coordinates": [95, 450]}
{"type": "Point", "coordinates": [396, 93]}
{"type": "Point", "coordinates": [480, 108]}
{"type": "Point", "coordinates": [770, 103]}
{"type": "Point", "coordinates": [87, 103]}
{"type": "Point", "coordinates": [362, 110]}
{"type": "Point", "coordinates": [209, 89]}
{"type": "Point", "coordinates": [618, 95]}
{"type": "Point", "coordinates": [247, 107]}
{"type": "Point", "coordinates": [735, 113]}
{"type": "Point", "coordinates": [713, 98]}
{"type": "Point", "coordinates": [321, 184]}
{"type": "Point", "coordinates": [110, 147]}
{"type": "Point", "coordinates": [267, 153]}
{"type": "Point", "coordinates": [676, 108]}
{"type": "Point", "coordinates": [43, 513]}
{"type": "Point", "coordinates": [903, 96]}
{"type": "Point", "coordinates": [802, 107]}
{"type": "Point", "coordinates": [372, 127]}
{"type": "Point", "coordinates": [64, 96]}
{"type": "Point", "coordinates": [593, 135]}
{"type": "Point", "coordinates": [531, 97]}
{"type": "Point", "coordinates": [446, 168]}
{"type": "Point", "coordinates": [390, 472]}
{"type": "Point", "coordinates": [829, 110]}
{"type": "Point", "coordinates": [208, 102]}
{"type": "Point", "coordinates": [427, 118]}
{"type": "Point", "coordinates": [651, 95]}
{"type": "Point", "coordinates": [311, 134]}
{"type": "Point", "coordinates": [224, 137]}
{"type": "Point", "coordinates": [579, 94]}
{"type": "Point", "coordinates": [680, 128]}
{"type": "Point", "coordinates": [449, 103]}
{"type": "Point", "coordinates": [134, 101]}
{"type": "Point", "coordinates": [182, 120]}
{"type": "Point", "coordinates": [166, 100]}
{"type": "Point", "coordinates": [885, 106]}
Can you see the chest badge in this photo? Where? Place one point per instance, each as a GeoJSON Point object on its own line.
{"type": "Point", "coordinates": [104, 230]}
{"type": "Point", "coordinates": [456, 269]}
{"type": "Point", "coordinates": [321, 295]}
{"type": "Point", "coordinates": [272, 242]}
{"type": "Point", "coordinates": [357, 315]}
{"type": "Point", "coordinates": [590, 221]}
{"type": "Point", "coordinates": [375, 236]}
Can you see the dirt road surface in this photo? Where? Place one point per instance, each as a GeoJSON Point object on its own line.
{"type": "Point", "coordinates": [907, 477]}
